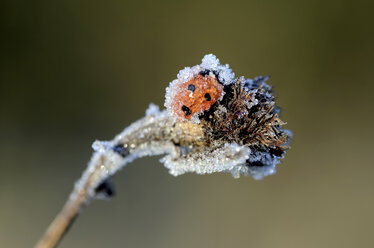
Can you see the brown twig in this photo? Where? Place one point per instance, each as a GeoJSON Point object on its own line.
{"type": "Point", "coordinates": [149, 133]}
{"type": "Point", "coordinates": [77, 200]}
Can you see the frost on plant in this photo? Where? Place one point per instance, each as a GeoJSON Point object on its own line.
{"type": "Point", "coordinates": [213, 122]}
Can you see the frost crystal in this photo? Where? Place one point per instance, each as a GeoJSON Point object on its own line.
{"type": "Point", "coordinates": [206, 161]}
{"type": "Point", "coordinates": [153, 109]}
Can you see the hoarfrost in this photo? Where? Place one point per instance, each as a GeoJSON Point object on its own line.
{"type": "Point", "coordinates": [207, 161]}
{"type": "Point", "coordinates": [153, 109]}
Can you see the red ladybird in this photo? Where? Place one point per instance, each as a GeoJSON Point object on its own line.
{"type": "Point", "coordinates": [196, 95]}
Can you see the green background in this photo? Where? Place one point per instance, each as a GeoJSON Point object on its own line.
{"type": "Point", "coordinates": [76, 71]}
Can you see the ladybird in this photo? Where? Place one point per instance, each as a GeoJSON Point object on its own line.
{"type": "Point", "coordinates": [196, 95]}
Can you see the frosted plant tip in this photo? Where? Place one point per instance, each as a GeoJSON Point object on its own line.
{"type": "Point", "coordinates": [213, 122]}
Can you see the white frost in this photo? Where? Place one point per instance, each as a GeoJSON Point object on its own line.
{"type": "Point", "coordinates": [222, 159]}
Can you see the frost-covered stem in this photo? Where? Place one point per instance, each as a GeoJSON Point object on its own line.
{"type": "Point", "coordinates": [151, 135]}
{"type": "Point", "coordinates": [77, 200]}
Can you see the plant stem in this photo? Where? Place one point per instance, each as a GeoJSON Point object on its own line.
{"type": "Point", "coordinates": [151, 135]}
{"type": "Point", "coordinates": [61, 223]}
{"type": "Point", "coordinates": [77, 200]}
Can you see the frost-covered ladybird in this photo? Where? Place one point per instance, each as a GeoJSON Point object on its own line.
{"type": "Point", "coordinates": [196, 95]}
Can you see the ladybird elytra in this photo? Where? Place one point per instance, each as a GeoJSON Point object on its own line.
{"type": "Point", "coordinates": [196, 95]}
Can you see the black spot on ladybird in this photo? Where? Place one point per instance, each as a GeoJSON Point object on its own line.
{"type": "Point", "coordinates": [186, 110]}
{"type": "Point", "coordinates": [191, 87]}
{"type": "Point", "coordinates": [207, 97]}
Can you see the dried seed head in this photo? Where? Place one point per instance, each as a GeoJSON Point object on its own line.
{"type": "Point", "coordinates": [247, 116]}
{"type": "Point", "coordinates": [230, 111]}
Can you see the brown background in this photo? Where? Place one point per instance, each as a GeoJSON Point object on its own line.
{"type": "Point", "coordinates": [76, 71]}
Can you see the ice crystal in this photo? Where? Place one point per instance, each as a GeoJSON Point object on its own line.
{"type": "Point", "coordinates": [206, 161]}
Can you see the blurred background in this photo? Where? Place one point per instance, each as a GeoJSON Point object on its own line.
{"type": "Point", "coordinates": [76, 71]}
